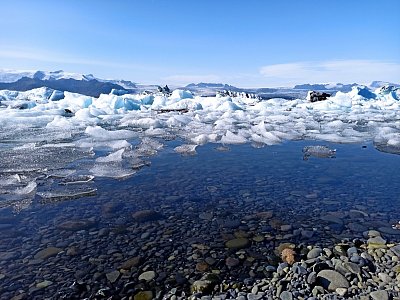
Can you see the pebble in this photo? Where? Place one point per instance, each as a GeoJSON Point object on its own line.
{"type": "Point", "coordinates": [47, 252]}
{"type": "Point", "coordinates": [341, 291]}
{"type": "Point", "coordinates": [314, 253]}
{"type": "Point", "coordinates": [44, 284]}
{"type": "Point", "coordinates": [379, 295]}
{"type": "Point", "coordinates": [238, 243]}
{"type": "Point", "coordinates": [147, 276]}
{"type": "Point", "coordinates": [143, 295]}
{"type": "Point", "coordinates": [376, 242]}
{"type": "Point", "coordinates": [285, 295]}
{"type": "Point", "coordinates": [113, 276]}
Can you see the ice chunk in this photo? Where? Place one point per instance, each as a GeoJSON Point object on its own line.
{"type": "Point", "coordinates": [201, 139]}
{"type": "Point", "coordinates": [76, 179]}
{"type": "Point", "coordinates": [186, 149]}
{"type": "Point", "coordinates": [181, 94]}
{"type": "Point", "coordinates": [111, 170]}
{"type": "Point", "coordinates": [318, 151]}
{"type": "Point", "coordinates": [113, 157]}
{"type": "Point", "coordinates": [101, 134]}
{"type": "Point", "coordinates": [231, 138]}
{"type": "Point", "coordinates": [67, 193]}
{"type": "Point", "coordinates": [141, 122]}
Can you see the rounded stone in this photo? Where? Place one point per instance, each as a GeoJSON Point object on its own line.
{"type": "Point", "coordinates": [331, 280]}
{"type": "Point", "coordinates": [202, 266]}
{"type": "Point", "coordinates": [144, 295]}
{"type": "Point", "coordinates": [48, 252]}
{"type": "Point", "coordinates": [44, 284]}
{"type": "Point", "coordinates": [238, 243]}
{"type": "Point", "coordinates": [147, 276]}
{"type": "Point", "coordinates": [285, 295]}
{"type": "Point", "coordinates": [379, 295]}
{"type": "Point", "coordinates": [314, 253]}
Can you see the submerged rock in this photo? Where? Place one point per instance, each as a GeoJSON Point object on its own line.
{"type": "Point", "coordinates": [48, 252]}
{"type": "Point", "coordinates": [146, 215]}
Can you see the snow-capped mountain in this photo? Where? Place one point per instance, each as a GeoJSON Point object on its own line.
{"type": "Point", "coordinates": [85, 84]}
{"type": "Point", "coordinates": [15, 75]}
{"type": "Point", "coordinates": [379, 84]}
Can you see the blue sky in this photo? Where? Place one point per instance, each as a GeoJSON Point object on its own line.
{"type": "Point", "coordinates": [245, 43]}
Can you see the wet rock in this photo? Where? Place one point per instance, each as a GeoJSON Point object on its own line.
{"type": "Point", "coordinates": [238, 243]}
{"type": "Point", "coordinates": [48, 252]}
{"type": "Point", "coordinates": [76, 225]}
{"type": "Point", "coordinates": [72, 251]}
{"type": "Point", "coordinates": [331, 280]}
{"type": "Point", "coordinates": [146, 216]}
{"type": "Point", "coordinates": [143, 295]}
{"type": "Point", "coordinates": [202, 286]}
{"type": "Point", "coordinates": [113, 276]}
{"type": "Point", "coordinates": [389, 230]}
{"type": "Point", "coordinates": [231, 262]}
{"type": "Point", "coordinates": [44, 284]}
{"type": "Point", "coordinates": [202, 267]}
{"type": "Point", "coordinates": [132, 262]}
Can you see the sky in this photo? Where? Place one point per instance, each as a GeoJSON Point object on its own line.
{"type": "Point", "coordinates": [264, 43]}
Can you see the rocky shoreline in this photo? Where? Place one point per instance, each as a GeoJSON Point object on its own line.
{"type": "Point", "coordinates": [158, 256]}
{"type": "Point", "coordinates": [210, 235]}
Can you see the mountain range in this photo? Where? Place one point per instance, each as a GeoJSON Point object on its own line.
{"type": "Point", "coordinates": [91, 86]}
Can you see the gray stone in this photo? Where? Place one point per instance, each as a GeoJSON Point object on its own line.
{"type": "Point", "coordinates": [314, 253]}
{"type": "Point", "coordinates": [286, 227]}
{"type": "Point", "coordinates": [44, 284]}
{"type": "Point", "coordinates": [48, 252]}
{"type": "Point", "coordinates": [307, 234]}
{"type": "Point", "coordinates": [331, 280]}
{"type": "Point", "coordinates": [201, 286]}
{"type": "Point", "coordinates": [332, 219]}
{"type": "Point", "coordinates": [376, 242]}
{"type": "Point", "coordinates": [352, 267]}
{"type": "Point", "coordinates": [379, 295]}
{"type": "Point", "coordinates": [257, 296]}
{"type": "Point", "coordinates": [373, 233]}
{"type": "Point", "coordinates": [113, 276]}
{"type": "Point", "coordinates": [285, 295]}
{"type": "Point", "coordinates": [396, 250]}
{"type": "Point", "coordinates": [312, 278]}
{"type": "Point", "coordinates": [238, 243]}
{"type": "Point", "coordinates": [132, 262]}
{"type": "Point", "coordinates": [147, 276]}
{"type": "Point", "coordinates": [341, 291]}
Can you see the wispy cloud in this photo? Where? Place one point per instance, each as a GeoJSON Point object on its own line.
{"type": "Point", "coordinates": [344, 71]}
{"type": "Point", "coordinates": [63, 58]}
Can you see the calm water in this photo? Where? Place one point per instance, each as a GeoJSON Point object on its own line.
{"type": "Point", "coordinates": [205, 198]}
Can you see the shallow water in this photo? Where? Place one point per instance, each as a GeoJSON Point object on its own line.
{"type": "Point", "coordinates": [205, 199]}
